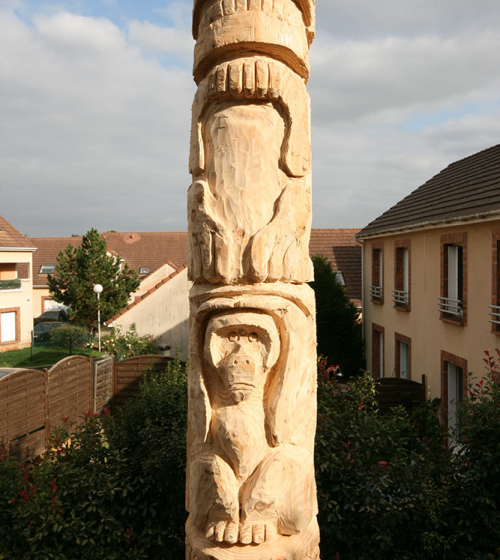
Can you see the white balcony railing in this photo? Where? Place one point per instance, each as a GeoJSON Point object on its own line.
{"type": "Point", "coordinates": [376, 292]}
{"type": "Point", "coordinates": [451, 306]}
{"type": "Point", "coordinates": [495, 314]}
{"type": "Point", "coordinates": [400, 297]}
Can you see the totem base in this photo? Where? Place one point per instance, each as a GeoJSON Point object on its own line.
{"type": "Point", "coordinates": [303, 546]}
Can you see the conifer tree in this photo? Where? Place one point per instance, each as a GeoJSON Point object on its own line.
{"type": "Point", "coordinates": [78, 270]}
{"type": "Point", "coordinates": [338, 327]}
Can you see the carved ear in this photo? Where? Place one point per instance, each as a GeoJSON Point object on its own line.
{"type": "Point", "coordinates": [290, 416]}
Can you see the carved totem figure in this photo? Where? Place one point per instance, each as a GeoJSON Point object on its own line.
{"type": "Point", "coordinates": [252, 375]}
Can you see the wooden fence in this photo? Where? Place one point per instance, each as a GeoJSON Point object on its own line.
{"type": "Point", "coordinates": [129, 372]}
{"type": "Point", "coordinates": [33, 403]}
{"type": "Point", "coordinates": [394, 391]}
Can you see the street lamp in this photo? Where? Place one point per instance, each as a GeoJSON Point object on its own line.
{"type": "Point", "coordinates": [98, 290]}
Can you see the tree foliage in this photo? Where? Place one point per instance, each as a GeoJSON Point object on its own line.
{"type": "Point", "coordinates": [338, 327]}
{"type": "Point", "coordinates": [77, 272]}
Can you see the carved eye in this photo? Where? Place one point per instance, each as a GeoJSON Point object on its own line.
{"type": "Point", "coordinates": [233, 337]}
{"type": "Point", "coordinates": [253, 337]}
{"type": "Point", "coordinates": [261, 506]}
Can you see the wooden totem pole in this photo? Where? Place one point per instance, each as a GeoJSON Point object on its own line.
{"type": "Point", "coordinates": [252, 360]}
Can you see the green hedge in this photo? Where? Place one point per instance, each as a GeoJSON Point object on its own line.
{"type": "Point", "coordinates": [388, 486]}
{"type": "Point", "coordinates": [10, 284]}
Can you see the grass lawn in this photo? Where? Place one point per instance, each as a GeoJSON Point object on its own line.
{"type": "Point", "coordinates": [42, 355]}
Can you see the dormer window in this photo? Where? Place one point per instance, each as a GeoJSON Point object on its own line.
{"type": "Point", "coordinates": [47, 269]}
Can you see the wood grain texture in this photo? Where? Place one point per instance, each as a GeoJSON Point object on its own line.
{"type": "Point", "coordinates": [251, 491]}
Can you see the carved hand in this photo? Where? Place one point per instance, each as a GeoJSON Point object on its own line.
{"type": "Point", "coordinates": [277, 252]}
{"type": "Point", "coordinates": [210, 255]}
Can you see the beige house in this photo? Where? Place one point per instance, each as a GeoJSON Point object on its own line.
{"type": "Point", "coordinates": [431, 280]}
{"type": "Point", "coordinates": [16, 288]}
{"type": "Point", "coordinates": [161, 311]}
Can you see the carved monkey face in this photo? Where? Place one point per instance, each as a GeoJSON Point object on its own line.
{"type": "Point", "coordinates": [242, 347]}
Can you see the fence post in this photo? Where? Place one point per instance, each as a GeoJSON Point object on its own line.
{"type": "Point", "coordinates": [47, 410]}
{"type": "Point", "coordinates": [92, 385]}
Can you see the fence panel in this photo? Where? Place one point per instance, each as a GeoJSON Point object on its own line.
{"type": "Point", "coordinates": [70, 389]}
{"type": "Point", "coordinates": [128, 374]}
{"type": "Point", "coordinates": [393, 391]}
{"type": "Point", "coordinates": [103, 382]}
{"type": "Point", "coordinates": [23, 410]}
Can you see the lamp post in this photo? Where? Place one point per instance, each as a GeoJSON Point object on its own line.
{"type": "Point", "coordinates": [98, 290]}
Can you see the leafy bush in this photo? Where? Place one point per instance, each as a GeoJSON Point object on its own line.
{"type": "Point", "coordinates": [382, 488]}
{"type": "Point", "coordinates": [478, 464]}
{"type": "Point", "coordinates": [113, 489]}
{"type": "Point", "coordinates": [124, 345]}
{"type": "Point", "coordinates": [70, 336]}
{"type": "Point", "coordinates": [388, 485]}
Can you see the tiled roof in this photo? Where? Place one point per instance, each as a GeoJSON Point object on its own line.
{"type": "Point", "coordinates": [138, 250]}
{"type": "Point", "coordinates": [47, 250]}
{"type": "Point", "coordinates": [149, 249]}
{"type": "Point", "coordinates": [138, 299]}
{"type": "Point", "coordinates": [10, 238]}
{"type": "Point", "coordinates": [153, 249]}
{"type": "Point", "coordinates": [341, 249]}
{"type": "Point", "coordinates": [466, 189]}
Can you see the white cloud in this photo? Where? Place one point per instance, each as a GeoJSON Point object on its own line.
{"type": "Point", "coordinates": [168, 40]}
{"type": "Point", "coordinates": [96, 115]}
{"type": "Point", "coordinates": [94, 134]}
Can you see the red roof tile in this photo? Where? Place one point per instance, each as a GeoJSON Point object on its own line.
{"type": "Point", "coordinates": [10, 238]}
{"type": "Point", "coordinates": [342, 250]}
{"type": "Point", "coordinates": [47, 250]}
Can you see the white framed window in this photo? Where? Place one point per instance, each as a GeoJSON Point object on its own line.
{"type": "Point", "coordinates": [404, 361]}
{"type": "Point", "coordinates": [8, 326]}
{"type": "Point", "coordinates": [455, 393]}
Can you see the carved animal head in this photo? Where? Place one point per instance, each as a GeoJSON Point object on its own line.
{"type": "Point", "coordinates": [242, 347]}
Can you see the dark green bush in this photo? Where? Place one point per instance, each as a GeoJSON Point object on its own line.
{"type": "Point", "coordinates": [113, 489]}
{"type": "Point", "coordinates": [382, 487]}
{"type": "Point", "coordinates": [477, 484]}
{"type": "Point", "coordinates": [388, 486]}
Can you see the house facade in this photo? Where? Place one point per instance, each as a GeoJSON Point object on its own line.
{"type": "Point", "coordinates": [16, 288]}
{"type": "Point", "coordinates": [431, 280]}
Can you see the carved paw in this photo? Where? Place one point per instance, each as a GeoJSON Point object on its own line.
{"type": "Point", "coordinates": [278, 250]}
{"type": "Point", "coordinates": [252, 78]}
{"type": "Point", "coordinates": [257, 532]}
{"type": "Point", "coordinates": [210, 256]}
{"type": "Point", "coordinates": [222, 531]}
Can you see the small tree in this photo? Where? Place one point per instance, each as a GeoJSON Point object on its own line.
{"type": "Point", "coordinates": [338, 327]}
{"type": "Point", "coordinates": [79, 269]}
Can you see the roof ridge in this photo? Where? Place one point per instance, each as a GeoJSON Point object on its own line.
{"type": "Point", "coordinates": [140, 298]}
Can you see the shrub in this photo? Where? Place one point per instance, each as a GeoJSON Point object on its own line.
{"type": "Point", "coordinates": [124, 345]}
{"type": "Point", "coordinates": [477, 485]}
{"type": "Point", "coordinates": [112, 489]}
{"type": "Point", "coordinates": [381, 479]}
{"type": "Point", "coordinates": [70, 336]}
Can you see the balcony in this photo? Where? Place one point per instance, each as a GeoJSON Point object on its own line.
{"type": "Point", "coordinates": [495, 314]}
{"type": "Point", "coordinates": [376, 292]}
{"type": "Point", "coordinates": [451, 306]}
{"type": "Point", "coordinates": [10, 284]}
{"type": "Point", "coordinates": [400, 297]}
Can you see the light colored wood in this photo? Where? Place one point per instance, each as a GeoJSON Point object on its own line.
{"type": "Point", "coordinates": [251, 491]}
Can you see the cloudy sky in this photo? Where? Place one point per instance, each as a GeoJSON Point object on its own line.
{"type": "Point", "coordinates": [95, 100]}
